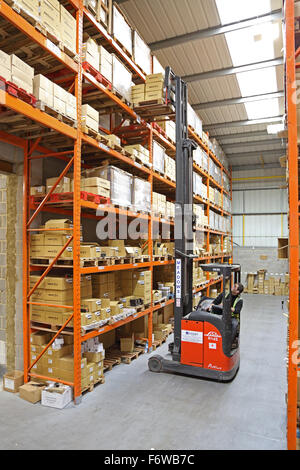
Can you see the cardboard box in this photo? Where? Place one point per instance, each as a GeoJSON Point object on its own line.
{"type": "Point", "coordinates": [120, 245]}
{"type": "Point", "coordinates": [68, 29]}
{"type": "Point", "coordinates": [90, 53]}
{"type": "Point", "coordinates": [94, 356]}
{"type": "Point", "coordinates": [127, 344]}
{"type": "Point", "coordinates": [88, 111]}
{"type": "Point", "coordinates": [12, 381]}
{"type": "Point", "coordinates": [59, 223]}
{"type": "Point", "coordinates": [50, 17]}
{"type": "Point", "coordinates": [43, 89]}
{"type": "Point", "coordinates": [37, 190]}
{"type": "Point", "coordinates": [62, 187]}
{"type": "Point", "coordinates": [40, 338]}
{"type": "Point", "coordinates": [18, 65]}
{"type": "Point", "coordinates": [91, 305]}
{"type": "Point", "coordinates": [57, 397]}
{"type": "Point", "coordinates": [31, 391]}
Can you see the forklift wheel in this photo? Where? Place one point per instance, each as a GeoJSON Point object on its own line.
{"type": "Point", "coordinates": [155, 364]}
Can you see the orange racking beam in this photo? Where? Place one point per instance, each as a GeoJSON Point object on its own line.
{"type": "Point", "coordinates": [293, 224]}
{"type": "Point", "coordinates": [35, 114]}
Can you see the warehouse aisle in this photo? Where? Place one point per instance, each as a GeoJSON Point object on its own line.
{"type": "Point", "coordinates": [137, 409]}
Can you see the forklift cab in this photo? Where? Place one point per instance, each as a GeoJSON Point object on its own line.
{"type": "Point", "coordinates": [229, 326]}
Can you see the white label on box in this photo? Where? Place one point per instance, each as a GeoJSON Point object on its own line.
{"type": "Point", "coordinates": [192, 336]}
{"type": "Point", "coordinates": [9, 383]}
{"type": "Point", "coordinates": [49, 352]}
{"type": "Point", "coordinates": [53, 48]}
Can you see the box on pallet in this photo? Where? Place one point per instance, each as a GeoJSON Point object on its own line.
{"type": "Point", "coordinates": [121, 30]}
{"type": "Point", "coordinates": [141, 195]}
{"type": "Point", "coordinates": [159, 155]}
{"type": "Point", "coordinates": [90, 117]}
{"type": "Point", "coordinates": [105, 63]}
{"type": "Point", "coordinates": [121, 78]}
{"type": "Point", "coordinates": [43, 90]}
{"type": "Point", "coordinates": [141, 53]}
{"type": "Point", "coordinates": [50, 17]}
{"type": "Point", "coordinates": [21, 74]}
{"type": "Point", "coordinates": [5, 66]}
{"type": "Point", "coordinates": [68, 30]}
{"type": "Point", "coordinates": [90, 53]}
{"type": "Point", "coordinates": [120, 184]}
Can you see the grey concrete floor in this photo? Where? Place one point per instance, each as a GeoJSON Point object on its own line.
{"type": "Point", "coordinates": [137, 409]}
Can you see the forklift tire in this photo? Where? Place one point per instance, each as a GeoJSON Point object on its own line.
{"type": "Point", "coordinates": [155, 363]}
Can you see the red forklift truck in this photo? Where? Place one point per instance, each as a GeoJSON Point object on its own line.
{"type": "Point", "coordinates": [205, 344]}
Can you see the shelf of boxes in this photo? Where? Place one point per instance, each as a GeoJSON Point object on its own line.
{"type": "Point", "coordinates": [66, 95]}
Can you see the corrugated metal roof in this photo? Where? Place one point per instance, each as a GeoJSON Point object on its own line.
{"type": "Point", "coordinates": [158, 20]}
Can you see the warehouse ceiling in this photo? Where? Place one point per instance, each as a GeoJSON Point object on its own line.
{"type": "Point", "coordinates": [230, 53]}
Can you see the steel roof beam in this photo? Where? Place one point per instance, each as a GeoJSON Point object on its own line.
{"type": "Point", "coordinates": [252, 144]}
{"type": "Point", "coordinates": [255, 153]}
{"type": "Point", "coordinates": [235, 101]}
{"type": "Point", "coordinates": [214, 31]}
{"type": "Point", "coordinates": [266, 166]}
{"type": "Point", "coordinates": [247, 122]}
{"type": "Point", "coordinates": [246, 135]}
{"type": "Point", "coordinates": [196, 77]}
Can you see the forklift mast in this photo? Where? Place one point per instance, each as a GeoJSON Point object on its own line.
{"type": "Point", "coordinates": [184, 219]}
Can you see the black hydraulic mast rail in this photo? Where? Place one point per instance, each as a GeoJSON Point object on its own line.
{"type": "Point", "coordinates": [184, 219]}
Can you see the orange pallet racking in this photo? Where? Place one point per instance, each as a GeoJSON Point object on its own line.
{"type": "Point", "coordinates": [293, 187]}
{"type": "Point", "coordinates": [37, 133]}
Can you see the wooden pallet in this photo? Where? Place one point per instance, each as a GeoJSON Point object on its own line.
{"type": "Point", "coordinates": [68, 330]}
{"type": "Point", "coordinates": [63, 198]}
{"type": "Point", "coordinates": [128, 357]}
{"type": "Point", "coordinates": [91, 132]}
{"type": "Point", "coordinates": [137, 260]}
{"type": "Point", "coordinates": [63, 263]}
{"type": "Point", "coordinates": [91, 387]}
{"type": "Point", "coordinates": [154, 108]}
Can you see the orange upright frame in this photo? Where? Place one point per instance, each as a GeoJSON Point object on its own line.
{"type": "Point", "coordinates": [293, 223]}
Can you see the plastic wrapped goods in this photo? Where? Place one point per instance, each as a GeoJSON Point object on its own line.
{"type": "Point", "coordinates": [120, 185]}
{"type": "Point", "coordinates": [142, 53]}
{"type": "Point", "coordinates": [158, 158]}
{"type": "Point", "coordinates": [122, 30]}
{"type": "Point", "coordinates": [141, 195]}
{"type": "Point", "coordinates": [121, 78]}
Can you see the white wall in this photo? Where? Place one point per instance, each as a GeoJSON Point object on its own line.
{"type": "Point", "coordinates": [260, 207]}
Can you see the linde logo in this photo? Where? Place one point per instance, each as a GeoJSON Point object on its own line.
{"type": "Point", "coordinates": [211, 366]}
{"type": "Point", "coordinates": [213, 336]}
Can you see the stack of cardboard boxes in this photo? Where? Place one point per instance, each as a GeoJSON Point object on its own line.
{"type": "Point", "coordinates": [58, 361]}
{"type": "Point", "coordinates": [55, 290]}
{"type": "Point", "coordinates": [96, 185]}
{"type": "Point", "coordinates": [90, 53]}
{"type": "Point", "coordinates": [159, 202]}
{"type": "Point", "coordinates": [89, 118]}
{"type": "Point", "coordinates": [170, 168]}
{"type": "Point", "coordinates": [137, 94]}
{"type": "Point", "coordinates": [137, 283]}
{"type": "Point", "coordinates": [21, 74]}
{"type": "Point", "coordinates": [274, 285]}
{"type": "Point", "coordinates": [5, 66]}
{"type": "Point", "coordinates": [140, 152]}
{"type": "Point", "coordinates": [55, 97]}
{"type": "Point", "coordinates": [154, 89]}
{"type": "Point", "coordinates": [68, 30]}
{"type": "Point", "coordinates": [105, 64]}
{"type": "Point", "coordinates": [170, 129]}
